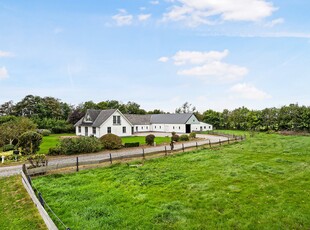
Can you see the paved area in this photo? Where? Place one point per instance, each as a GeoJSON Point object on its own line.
{"type": "Point", "coordinates": [204, 139]}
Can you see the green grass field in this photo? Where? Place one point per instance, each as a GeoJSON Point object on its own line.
{"type": "Point", "coordinates": [141, 140]}
{"type": "Point", "coordinates": [51, 141]}
{"type": "Point", "coordinates": [16, 208]}
{"type": "Point", "coordinates": [262, 183]}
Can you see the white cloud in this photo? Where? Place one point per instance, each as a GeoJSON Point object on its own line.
{"type": "Point", "coordinates": [3, 73]}
{"type": "Point", "coordinates": [163, 59]}
{"type": "Point", "coordinates": [248, 91]}
{"type": "Point", "coordinates": [144, 17]}
{"type": "Point", "coordinates": [274, 22]}
{"type": "Point", "coordinates": [195, 57]}
{"type": "Point", "coordinates": [123, 18]}
{"type": "Point", "coordinates": [154, 2]}
{"type": "Point", "coordinates": [142, 8]}
{"type": "Point", "coordinates": [197, 12]}
{"type": "Point", "coordinates": [5, 54]}
{"type": "Point", "coordinates": [207, 65]}
{"type": "Point", "coordinates": [216, 69]}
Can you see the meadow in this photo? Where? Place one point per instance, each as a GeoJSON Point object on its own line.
{"type": "Point", "coordinates": [261, 183]}
{"type": "Point", "coordinates": [16, 208]}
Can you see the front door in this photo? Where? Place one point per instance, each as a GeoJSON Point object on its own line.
{"type": "Point", "coordinates": [188, 128]}
{"type": "Point", "coordinates": [86, 131]}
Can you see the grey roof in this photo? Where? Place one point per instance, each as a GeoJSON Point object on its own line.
{"type": "Point", "coordinates": [176, 118]}
{"type": "Point", "coordinates": [136, 119]}
{"type": "Point", "coordinates": [98, 117]}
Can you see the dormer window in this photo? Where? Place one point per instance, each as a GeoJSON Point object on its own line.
{"type": "Point", "coordinates": [87, 118]}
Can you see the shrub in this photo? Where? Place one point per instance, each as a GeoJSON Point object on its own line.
{"type": "Point", "coordinates": [30, 142]}
{"type": "Point", "coordinates": [149, 139]}
{"type": "Point", "coordinates": [133, 144]}
{"type": "Point", "coordinates": [37, 161]}
{"type": "Point", "coordinates": [70, 146]}
{"type": "Point", "coordinates": [111, 141]}
{"type": "Point", "coordinates": [44, 132]}
{"type": "Point", "coordinates": [173, 133]}
{"type": "Point", "coordinates": [184, 137]}
{"type": "Point", "coordinates": [8, 147]}
{"type": "Point", "coordinates": [55, 150]}
{"type": "Point", "coordinates": [192, 135]}
{"type": "Point", "coordinates": [175, 138]}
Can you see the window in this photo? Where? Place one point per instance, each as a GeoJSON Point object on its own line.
{"type": "Point", "coordinates": [147, 127]}
{"type": "Point", "coordinates": [116, 120]}
{"type": "Point", "coordinates": [137, 128]}
{"type": "Point", "coordinates": [179, 127]}
{"type": "Point", "coordinates": [173, 127]}
{"type": "Point", "coordinates": [141, 127]}
{"type": "Point", "coordinates": [79, 129]}
{"type": "Point", "coordinates": [155, 126]}
{"type": "Point", "coordinates": [205, 127]}
{"type": "Point", "coordinates": [109, 130]}
{"type": "Point", "coordinates": [87, 118]}
{"type": "Point", "coordinates": [209, 127]}
{"type": "Point", "coordinates": [160, 127]}
{"type": "Point", "coordinates": [94, 130]}
{"type": "Point", "coordinates": [124, 129]}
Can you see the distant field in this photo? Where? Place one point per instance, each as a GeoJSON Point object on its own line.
{"type": "Point", "coordinates": [16, 208]}
{"type": "Point", "coordinates": [262, 183]}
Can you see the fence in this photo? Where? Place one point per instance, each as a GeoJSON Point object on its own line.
{"type": "Point", "coordinates": [144, 152]}
{"type": "Point", "coordinates": [39, 202]}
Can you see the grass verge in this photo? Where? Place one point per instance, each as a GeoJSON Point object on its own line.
{"type": "Point", "coordinates": [16, 208]}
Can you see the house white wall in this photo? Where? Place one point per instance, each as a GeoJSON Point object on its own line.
{"type": "Point", "coordinates": [201, 126]}
{"type": "Point", "coordinates": [192, 120]}
{"type": "Point", "coordinates": [142, 128]}
{"type": "Point", "coordinates": [116, 129]}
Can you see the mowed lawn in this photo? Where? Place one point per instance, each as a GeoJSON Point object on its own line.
{"type": "Point", "coordinates": [54, 139]}
{"type": "Point", "coordinates": [16, 208]}
{"type": "Point", "coordinates": [141, 140]}
{"type": "Point", "coordinates": [51, 141]}
{"type": "Point", "coordinates": [262, 183]}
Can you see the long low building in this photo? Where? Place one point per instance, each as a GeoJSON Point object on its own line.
{"type": "Point", "coordinates": [100, 122]}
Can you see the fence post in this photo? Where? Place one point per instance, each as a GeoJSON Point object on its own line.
{"type": "Point", "coordinates": [77, 164]}
{"type": "Point", "coordinates": [143, 156]}
{"type": "Point", "coordinates": [165, 150]}
{"type": "Point", "coordinates": [220, 142]}
{"type": "Point", "coordinates": [209, 143]}
{"type": "Point", "coordinates": [41, 199]}
{"type": "Point", "coordinates": [110, 158]}
{"type": "Point", "coordinates": [183, 147]}
{"type": "Point", "coordinates": [196, 145]}
{"type": "Point", "coordinates": [228, 140]}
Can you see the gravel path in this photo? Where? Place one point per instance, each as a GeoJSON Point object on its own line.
{"type": "Point", "coordinates": [12, 170]}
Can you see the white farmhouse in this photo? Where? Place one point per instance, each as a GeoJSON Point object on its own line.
{"type": "Point", "coordinates": [101, 122]}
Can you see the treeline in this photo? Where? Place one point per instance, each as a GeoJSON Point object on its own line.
{"type": "Point", "coordinates": [292, 118]}
{"type": "Point", "coordinates": [57, 116]}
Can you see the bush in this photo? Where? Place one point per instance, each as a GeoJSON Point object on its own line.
{"type": "Point", "coordinates": [133, 144]}
{"type": "Point", "coordinates": [8, 147]}
{"type": "Point", "coordinates": [184, 137]}
{"type": "Point", "coordinates": [44, 132]}
{"type": "Point", "coordinates": [149, 139]}
{"type": "Point", "coordinates": [111, 141]}
{"type": "Point", "coordinates": [54, 151]}
{"type": "Point", "coordinates": [192, 135]}
{"type": "Point", "coordinates": [30, 142]}
{"type": "Point", "coordinates": [175, 138]}
{"type": "Point", "coordinates": [173, 133]}
{"type": "Point", "coordinates": [70, 146]}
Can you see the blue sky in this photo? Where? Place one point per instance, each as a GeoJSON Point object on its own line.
{"type": "Point", "coordinates": [160, 54]}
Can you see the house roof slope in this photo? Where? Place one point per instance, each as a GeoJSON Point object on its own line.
{"type": "Point", "coordinates": [137, 119]}
{"type": "Point", "coordinates": [97, 116]}
{"type": "Point", "coordinates": [177, 118]}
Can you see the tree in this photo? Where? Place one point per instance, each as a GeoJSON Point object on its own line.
{"type": "Point", "coordinates": [134, 108]}
{"type": "Point", "coordinates": [29, 142]}
{"type": "Point", "coordinates": [6, 108]}
{"type": "Point", "coordinates": [186, 108]}
{"type": "Point", "coordinates": [212, 117]}
{"type": "Point", "coordinates": [11, 130]}
{"type": "Point", "coordinates": [76, 115]}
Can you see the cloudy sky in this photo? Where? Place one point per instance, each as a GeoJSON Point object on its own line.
{"type": "Point", "coordinates": [212, 53]}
